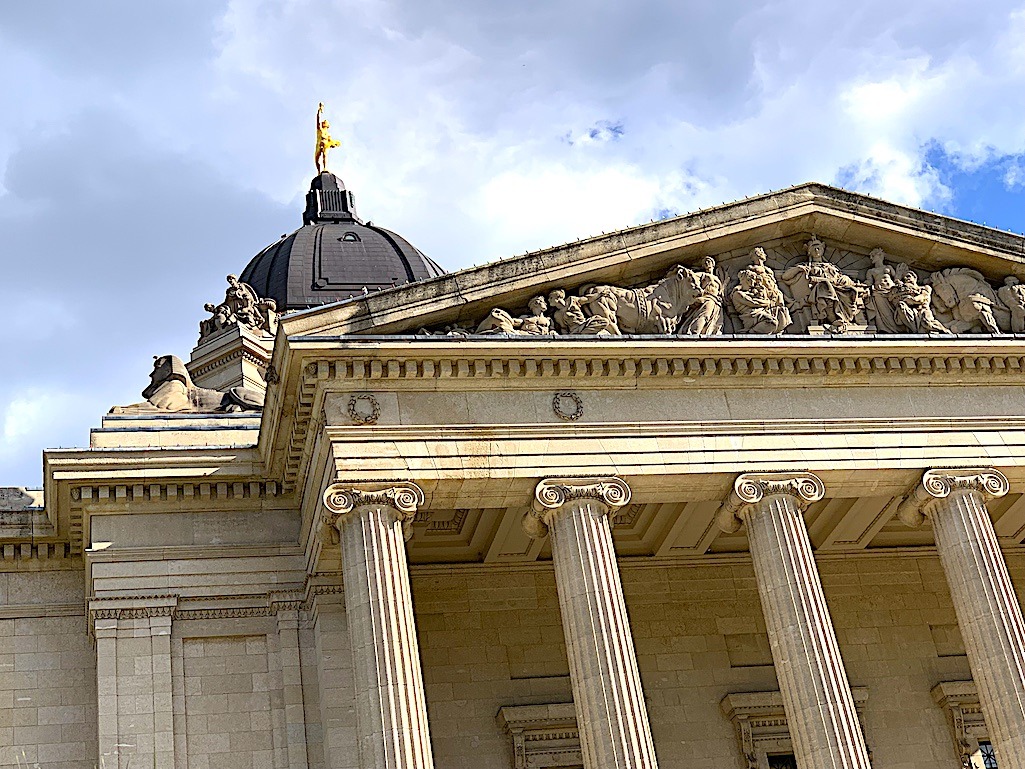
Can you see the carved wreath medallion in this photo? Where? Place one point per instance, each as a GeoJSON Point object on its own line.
{"type": "Point", "coordinates": [568, 406]}
{"type": "Point", "coordinates": [364, 409]}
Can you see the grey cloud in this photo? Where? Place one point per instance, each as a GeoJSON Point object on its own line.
{"type": "Point", "coordinates": [123, 242]}
{"type": "Point", "coordinates": [113, 38]}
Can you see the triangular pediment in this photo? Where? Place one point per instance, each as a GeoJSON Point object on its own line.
{"type": "Point", "coordinates": [929, 274]}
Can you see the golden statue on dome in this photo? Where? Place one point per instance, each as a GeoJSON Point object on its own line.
{"type": "Point", "coordinates": [324, 141]}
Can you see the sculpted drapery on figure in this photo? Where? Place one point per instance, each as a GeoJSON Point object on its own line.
{"type": "Point", "coordinates": [882, 280]}
{"type": "Point", "coordinates": [913, 307]}
{"type": "Point", "coordinates": [826, 295]}
{"type": "Point", "coordinates": [758, 300]}
{"type": "Point", "coordinates": [705, 316]}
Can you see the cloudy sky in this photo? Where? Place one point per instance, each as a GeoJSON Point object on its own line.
{"type": "Point", "coordinates": [149, 148]}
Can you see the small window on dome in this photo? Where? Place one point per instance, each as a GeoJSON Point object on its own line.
{"type": "Point", "coordinates": [349, 236]}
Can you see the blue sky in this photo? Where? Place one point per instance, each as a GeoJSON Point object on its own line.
{"type": "Point", "coordinates": [149, 149]}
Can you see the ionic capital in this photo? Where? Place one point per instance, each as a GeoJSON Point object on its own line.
{"type": "Point", "coordinates": [751, 488]}
{"type": "Point", "coordinates": [937, 485]}
{"type": "Point", "coordinates": [403, 498]}
{"type": "Point", "coordinates": [553, 494]}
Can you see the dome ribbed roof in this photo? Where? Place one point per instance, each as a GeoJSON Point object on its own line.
{"type": "Point", "coordinates": [334, 255]}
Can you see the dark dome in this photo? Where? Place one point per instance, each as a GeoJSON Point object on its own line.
{"type": "Point", "coordinates": [334, 255]}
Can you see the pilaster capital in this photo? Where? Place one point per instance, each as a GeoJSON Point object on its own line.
{"type": "Point", "coordinates": [403, 498]}
{"type": "Point", "coordinates": [751, 488]}
{"type": "Point", "coordinates": [939, 484]}
{"type": "Point", "coordinates": [553, 494]}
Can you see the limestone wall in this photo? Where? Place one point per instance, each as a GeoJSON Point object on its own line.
{"type": "Point", "coordinates": [47, 672]}
{"type": "Point", "coordinates": [490, 637]}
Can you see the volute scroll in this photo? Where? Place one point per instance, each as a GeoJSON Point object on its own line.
{"type": "Point", "coordinates": [404, 498]}
{"type": "Point", "coordinates": [939, 484]}
{"type": "Point", "coordinates": [751, 488]}
{"type": "Point", "coordinates": [552, 494]}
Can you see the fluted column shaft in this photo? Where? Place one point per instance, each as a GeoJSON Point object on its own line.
{"type": "Point", "coordinates": [391, 713]}
{"type": "Point", "coordinates": [813, 682]}
{"type": "Point", "coordinates": [988, 612]}
{"type": "Point", "coordinates": [612, 718]}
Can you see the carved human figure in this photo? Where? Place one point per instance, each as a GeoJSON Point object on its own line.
{"type": "Point", "coordinates": [241, 305]}
{"type": "Point", "coordinates": [882, 280]}
{"type": "Point", "coordinates": [570, 318]}
{"type": "Point", "coordinates": [1012, 295]}
{"type": "Point", "coordinates": [760, 304]}
{"type": "Point", "coordinates": [913, 307]}
{"type": "Point", "coordinates": [761, 273]}
{"type": "Point", "coordinates": [832, 298]}
{"type": "Point", "coordinates": [536, 323]}
{"type": "Point", "coordinates": [705, 316]}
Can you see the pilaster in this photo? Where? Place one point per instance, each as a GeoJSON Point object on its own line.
{"type": "Point", "coordinates": [988, 612]}
{"type": "Point", "coordinates": [611, 713]}
{"type": "Point", "coordinates": [391, 711]}
{"type": "Point", "coordinates": [813, 683]}
{"type": "Point", "coordinates": [133, 680]}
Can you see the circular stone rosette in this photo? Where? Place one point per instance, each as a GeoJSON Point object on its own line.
{"type": "Point", "coordinates": [568, 406]}
{"type": "Point", "coordinates": [364, 409]}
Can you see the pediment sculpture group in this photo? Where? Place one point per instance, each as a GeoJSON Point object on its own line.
{"type": "Point", "coordinates": [813, 296]}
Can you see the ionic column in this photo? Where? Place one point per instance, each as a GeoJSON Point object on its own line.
{"type": "Point", "coordinates": [391, 714]}
{"type": "Point", "coordinates": [611, 716]}
{"type": "Point", "coordinates": [988, 612]}
{"type": "Point", "coordinates": [813, 683]}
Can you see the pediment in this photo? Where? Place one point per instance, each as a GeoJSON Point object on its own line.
{"type": "Point", "coordinates": [835, 262]}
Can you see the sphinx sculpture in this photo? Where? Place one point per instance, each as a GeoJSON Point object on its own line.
{"type": "Point", "coordinates": [813, 296]}
{"type": "Point", "coordinates": [171, 389]}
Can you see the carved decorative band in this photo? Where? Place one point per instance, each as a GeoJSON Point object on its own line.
{"type": "Point", "coordinates": [939, 484]}
{"type": "Point", "coordinates": [403, 497]}
{"type": "Point", "coordinates": [552, 494]}
{"type": "Point", "coordinates": [751, 488]}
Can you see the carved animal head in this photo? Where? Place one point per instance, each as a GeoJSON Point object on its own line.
{"type": "Point", "coordinates": [943, 292]}
{"type": "Point", "coordinates": [166, 367]}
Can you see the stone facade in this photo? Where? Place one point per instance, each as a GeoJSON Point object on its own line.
{"type": "Point", "coordinates": [578, 549]}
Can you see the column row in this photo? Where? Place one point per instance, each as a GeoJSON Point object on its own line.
{"type": "Point", "coordinates": [611, 714]}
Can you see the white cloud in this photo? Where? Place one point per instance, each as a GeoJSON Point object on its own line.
{"type": "Point", "coordinates": [477, 130]}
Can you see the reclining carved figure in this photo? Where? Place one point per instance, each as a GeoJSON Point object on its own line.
{"type": "Point", "coordinates": [171, 389]}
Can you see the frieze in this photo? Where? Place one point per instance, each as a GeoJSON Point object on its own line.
{"type": "Point", "coordinates": [776, 359]}
{"type": "Point", "coordinates": [810, 288]}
